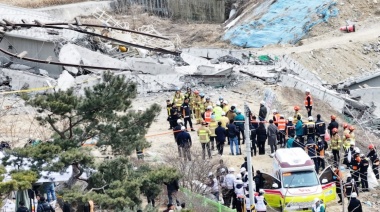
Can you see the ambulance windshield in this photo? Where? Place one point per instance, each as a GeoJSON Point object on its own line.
{"type": "Point", "coordinates": [300, 179]}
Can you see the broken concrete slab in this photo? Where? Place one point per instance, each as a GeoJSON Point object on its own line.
{"type": "Point", "coordinates": [69, 11]}
{"type": "Point", "coordinates": [71, 53]}
{"type": "Point", "coordinates": [65, 81]}
{"type": "Point", "coordinates": [369, 95]}
{"type": "Point", "coordinates": [332, 98]}
{"type": "Point", "coordinates": [371, 79]}
{"type": "Point", "coordinates": [195, 60]}
{"type": "Point", "coordinates": [21, 80]}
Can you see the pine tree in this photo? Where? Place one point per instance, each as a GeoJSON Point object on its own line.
{"type": "Point", "coordinates": [103, 112]}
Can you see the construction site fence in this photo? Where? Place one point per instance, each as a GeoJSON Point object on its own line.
{"type": "Point", "coordinates": [198, 10]}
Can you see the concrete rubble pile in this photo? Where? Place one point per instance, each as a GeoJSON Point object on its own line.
{"type": "Point", "coordinates": [156, 71]}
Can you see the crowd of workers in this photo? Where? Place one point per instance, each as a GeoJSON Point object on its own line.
{"type": "Point", "coordinates": [221, 123]}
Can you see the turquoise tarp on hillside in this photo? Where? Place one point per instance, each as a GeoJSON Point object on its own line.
{"type": "Point", "coordinates": [284, 21]}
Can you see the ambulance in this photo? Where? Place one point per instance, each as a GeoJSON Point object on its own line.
{"type": "Point", "coordinates": [295, 184]}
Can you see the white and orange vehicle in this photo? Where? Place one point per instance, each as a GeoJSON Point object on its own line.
{"type": "Point", "coordinates": [295, 184]}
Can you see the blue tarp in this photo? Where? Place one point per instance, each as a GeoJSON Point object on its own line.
{"type": "Point", "coordinates": [285, 21]}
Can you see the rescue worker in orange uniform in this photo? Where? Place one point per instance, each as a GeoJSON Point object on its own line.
{"type": "Point", "coordinates": [345, 131]}
{"type": "Point", "coordinates": [208, 114]}
{"type": "Point", "coordinates": [372, 155]}
{"type": "Point", "coordinates": [321, 153]}
{"type": "Point", "coordinates": [282, 130]}
{"type": "Point", "coordinates": [296, 114]}
{"type": "Point", "coordinates": [308, 102]}
{"type": "Point", "coordinates": [352, 134]}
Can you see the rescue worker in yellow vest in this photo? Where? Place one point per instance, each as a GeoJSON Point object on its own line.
{"type": "Point", "coordinates": [204, 137]}
{"type": "Point", "coordinates": [310, 128]}
{"type": "Point", "coordinates": [352, 134]}
{"type": "Point", "coordinates": [217, 110]}
{"type": "Point", "coordinates": [189, 95]}
{"type": "Point", "coordinates": [202, 105]}
{"type": "Point", "coordinates": [225, 106]}
{"type": "Point", "coordinates": [296, 114]}
{"type": "Point", "coordinates": [178, 99]}
{"type": "Point", "coordinates": [308, 102]}
{"type": "Point", "coordinates": [345, 131]}
{"type": "Point", "coordinates": [335, 145]}
{"type": "Point", "coordinates": [197, 100]}
{"type": "Point", "coordinates": [212, 126]}
{"type": "Point", "coordinates": [321, 153]}
{"type": "Point", "coordinates": [224, 120]}
{"type": "Point", "coordinates": [282, 130]}
{"type": "Point", "coordinates": [347, 142]}
{"type": "Point", "coordinates": [208, 114]}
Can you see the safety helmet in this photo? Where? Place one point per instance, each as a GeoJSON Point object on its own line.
{"type": "Point", "coordinates": [290, 118]}
{"type": "Point", "coordinates": [310, 118]}
{"type": "Point", "coordinates": [177, 89]}
{"type": "Point", "coordinates": [354, 195]}
{"type": "Point", "coordinates": [307, 90]}
{"type": "Point", "coordinates": [362, 155]}
{"type": "Point", "coordinates": [242, 169]}
{"type": "Point", "coordinates": [345, 125]}
{"type": "Point", "coordinates": [347, 136]}
{"type": "Point", "coordinates": [238, 111]}
{"type": "Point", "coordinates": [296, 108]}
{"type": "Point", "coordinates": [225, 102]}
{"type": "Point", "coordinates": [234, 104]}
{"type": "Point", "coordinates": [238, 176]}
{"type": "Point", "coordinates": [262, 103]}
{"type": "Point", "coordinates": [231, 169]}
{"type": "Point", "coordinates": [179, 121]}
{"type": "Point", "coordinates": [217, 103]}
{"type": "Point", "coordinates": [371, 146]}
{"type": "Point", "coordinates": [274, 111]}
{"type": "Point", "coordinates": [261, 191]}
{"type": "Point", "coordinates": [223, 113]}
{"type": "Point", "coordinates": [334, 130]}
{"type": "Point", "coordinates": [222, 170]}
{"type": "Point", "coordinates": [213, 117]}
{"type": "Point", "coordinates": [351, 128]}
{"type": "Point", "coordinates": [352, 143]}
{"type": "Point", "coordinates": [357, 150]}
{"type": "Point", "coordinates": [220, 98]}
{"type": "Point", "coordinates": [183, 128]}
{"type": "Point", "coordinates": [202, 95]}
{"type": "Point", "coordinates": [207, 98]}
{"type": "Point", "coordinates": [210, 174]}
{"type": "Point", "coordinates": [333, 117]}
{"type": "Point", "coordinates": [239, 182]}
{"type": "Point", "coordinates": [209, 107]}
{"type": "Point", "coordinates": [196, 92]}
{"type": "Point", "coordinates": [281, 116]}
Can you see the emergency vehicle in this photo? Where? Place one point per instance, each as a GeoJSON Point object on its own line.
{"type": "Point", "coordinates": [295, 184]}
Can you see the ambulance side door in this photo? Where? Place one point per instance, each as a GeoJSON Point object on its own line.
{"type": "Point", "coordinates": [328, 184]}
{"type": "Point", "coordinates": [272, 188]}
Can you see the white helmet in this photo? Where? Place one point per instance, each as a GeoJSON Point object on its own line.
{"type": "Point", "coordinates": [225, 102]}
{"type": "Point", "coordinates": [231, 169]}
{"type": "Point", "coordinates": [352, 143]}
{"type": "Point", "coordinates": [242, 169]}
{"type": "Point", "coordinates": [179, 121]}
{"type": "Point", "coordinates": [261, 191]}
{"type": "Point", "coordinates": [238, 111]}
{"type": "Point", "coordinates": [310, 118]}
{"type": "Point", "coordinates": [238, 177]}
{"type": "Point", "coordinates": [307, 90]}
{"type": "Point", "coordinates": [357, 150]}
{"type": "Point", "coordinates": [209, 107]}
{"type": "Point", "coordinates": [183, 128]}
{"type": "Point", "coordinates": [210, 174]}
{"type": "Point", "coordinates": [316, 200]}
{"type": "Point", "coordinates": [234, 104]}
{"type": "Point", "coordinates": [223, 113]}
{"type": "Point", "coordinates": [217, 103]}
{"type": "Point", "coordinates": [354, 195]}
{"type": "Point", "coordinates": [290, 118]}
{"type": "Point", "coordinates": [282, 116]}
{"type": "Point", "coordinates": [239, 182]}
{"type": "Point", "coordinates": [222, 170]}
{"type": "Point", "coordinates": [274, 111]}
{"type": "Point", "coordinates": [262, 102]}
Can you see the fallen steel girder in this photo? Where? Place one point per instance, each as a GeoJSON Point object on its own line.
{"type": "Point", "coordinates": [165, 51]}
{"type": "Point", "coordinates": [62, 64]}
